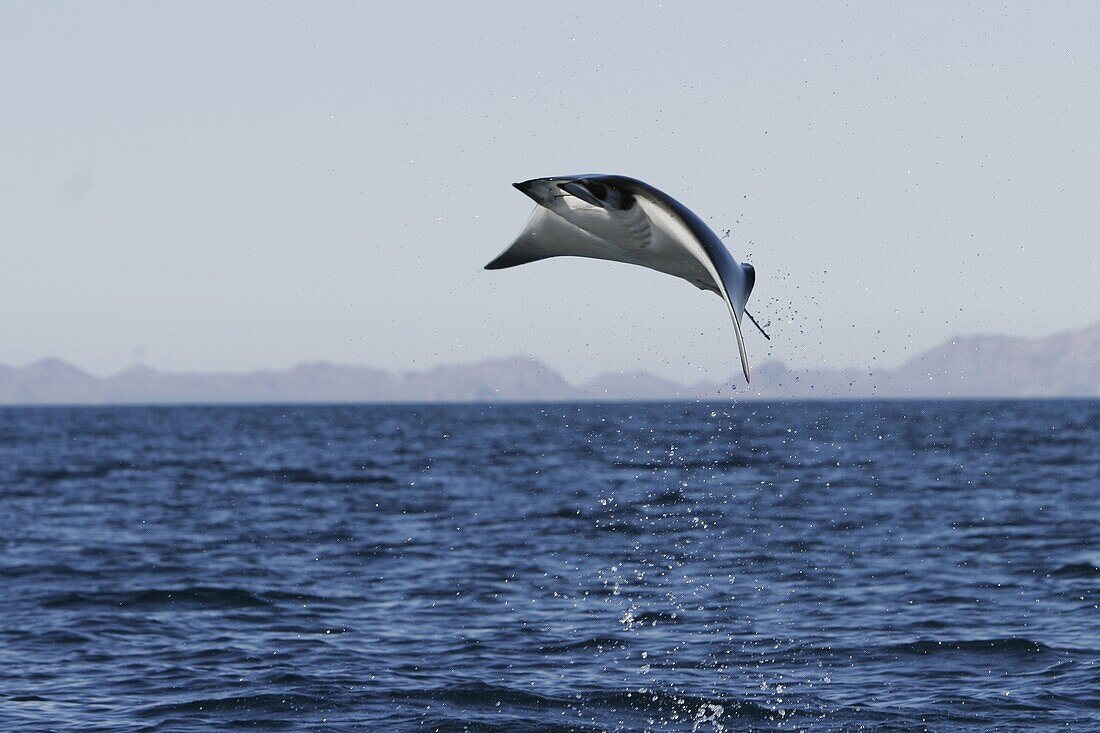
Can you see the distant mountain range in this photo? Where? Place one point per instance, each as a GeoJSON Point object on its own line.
{"type": "Point", "coordinates": [1061, 365]}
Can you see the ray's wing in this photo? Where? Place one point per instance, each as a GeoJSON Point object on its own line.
{"type": "Point", "coordinates": [701, 260]}
{"type": "Point", "coordinates": [545, 235]}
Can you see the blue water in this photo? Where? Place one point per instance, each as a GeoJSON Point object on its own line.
{"type": "Point", "coordinates": [884, 566]}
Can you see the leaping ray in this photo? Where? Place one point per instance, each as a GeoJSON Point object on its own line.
{"type": "Point", "coordinates": [622, 219]}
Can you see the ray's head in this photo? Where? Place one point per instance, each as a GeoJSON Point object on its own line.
{"type": "Point", "coordinates": [611, 193]}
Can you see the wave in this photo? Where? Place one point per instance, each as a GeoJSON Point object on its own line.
{"type": "Point", "coordinates": [57, 569]}
{"type": "Point", "coordinates": [481, 693]}
{"type": "Point", "coordinates": [309, 476]}
{"type": "Point", "coordinates": [195, 597]}
{"type": "Point", "coordinates": [647, 701]}
{"type": "Point", "coordinates": [565, 512]}
{"type": "Point", "coordinates": [1009, 646]}
{"type": "Point", "coordinates": [745, 461]}
{"type": "Point", "coordinates": [664, 702]}
{"type": "Point", "coordinates": [949, 600]}
{"type": "Point", "coordinates": [652, 618]}
{"type": "Point", "coordinates": [1077, 570]}
{"type": "Point", "coordinates": [660, 708]}
{"type": "Point", "coordinates": [668, 498]}
{"type": "Point", "coordinates": [294, 475]}
{"type": "Point", "coordinates": [598, 643]}
{"type": "Point", "coordinates": [619, 526]}
{"type": "Point", "coordinates": [98, 470]}
{"type": "Point", "coordinates": [264, 702]}
{"type": "Point", "coordinates": [453, 724]}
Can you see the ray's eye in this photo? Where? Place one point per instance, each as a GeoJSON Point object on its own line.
{"type": "Point", "coordinates": [597, 189]}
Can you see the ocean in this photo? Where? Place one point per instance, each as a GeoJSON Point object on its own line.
{"type": "Point", "coordinates": [813, 566]}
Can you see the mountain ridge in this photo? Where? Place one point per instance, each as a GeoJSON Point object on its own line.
{"type": "Point", "coordinates": [1063, 364]}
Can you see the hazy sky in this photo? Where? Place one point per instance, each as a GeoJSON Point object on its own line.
{"type": "Point", "coordinates": [232, 186]}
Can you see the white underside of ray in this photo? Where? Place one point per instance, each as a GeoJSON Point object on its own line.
{"type": "Point", "coordinates": [631, 236]}
{"type": "Point", "coordinates": [549, 235]}
{"type": "Point", "coordinates": [648, 235]}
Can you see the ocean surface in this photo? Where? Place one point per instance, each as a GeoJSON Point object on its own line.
{"type": "Point", "coordinates": [821, 566]}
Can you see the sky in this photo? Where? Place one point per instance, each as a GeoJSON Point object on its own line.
{"type": "Point", "coordinates": [206, 186]}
